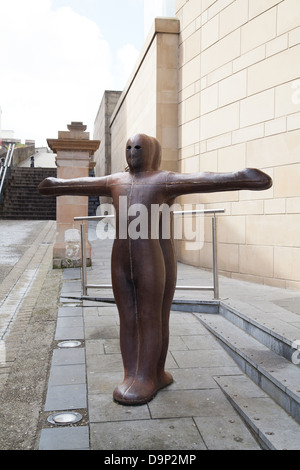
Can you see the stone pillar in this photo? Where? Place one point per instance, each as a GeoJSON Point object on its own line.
{"type": "Point", "coordinates": [74, 149]}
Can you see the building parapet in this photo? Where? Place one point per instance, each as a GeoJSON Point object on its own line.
{"type": "Point", "coordinates": [160, 25]}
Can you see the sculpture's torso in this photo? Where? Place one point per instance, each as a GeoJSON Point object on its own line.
{"type": "Point", "coordinates": [144, 191]}
{"type": "Point", "coordinates": [147, 190]}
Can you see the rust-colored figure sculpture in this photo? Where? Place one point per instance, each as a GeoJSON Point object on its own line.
{"type": "Point", "coordinates": [144, 270]}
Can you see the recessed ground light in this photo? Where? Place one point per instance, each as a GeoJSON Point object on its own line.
{"type": "Point", "coordinates": [63, 418]}
{"type": "Point", "coordinates": [69, 344]}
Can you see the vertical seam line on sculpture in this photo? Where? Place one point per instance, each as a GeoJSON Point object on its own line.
{"type": "Point", "coordinates": [134, 290]}
{"type": "Point", "coordinates": [167, 181]}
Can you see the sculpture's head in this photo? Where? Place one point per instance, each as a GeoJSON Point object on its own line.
{"type": "Point", "coordinates": [143, 153]}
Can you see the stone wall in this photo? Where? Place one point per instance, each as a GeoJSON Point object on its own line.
{"type": "Point", "coordinates": [102, 156]}
{"type": "Point", "coordinates": [22, 153]}
{"type": "Point", "coordinates": [239, 106]}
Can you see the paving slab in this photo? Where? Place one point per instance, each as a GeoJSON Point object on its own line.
{"type": "Point", "coordinates": [192, 403]}
{"type": "Point", "coordinates": [199, 378]}
{"type": "Point", "coordinates": [225, 432]}
{"type": "Point", "coordinates": [69, 333]}
{"type": "Point", "coordinates": [212, 358]}
{"type": "Point", "coordinates": [160, 434]}
{"type": "Point", "coordinates": [66, 397]}
{"type": "Point", "coordinates": [66, 356]}
{"type": "Point", "coordinates": [69, 311]}
{"type": "Point", "coordinates": [67, 374]}
{"type": "Point", "coordinates": [65, 438]}
{"type": "Point", "coordinates": [103, 409]}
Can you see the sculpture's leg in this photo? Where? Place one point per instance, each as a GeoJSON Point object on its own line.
{"type": "Point", "coordinates": [167, 245]}
{"type": "Point", "coordinates": [141, 340]}
{"type": "Point", "coordinates": [126, 303]}
{"type": "Point", "coordinates": [128, 336]}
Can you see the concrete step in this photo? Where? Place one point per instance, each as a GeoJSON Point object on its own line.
{"type": "Point", "coordinates": [272, 426]}
{"type": "Point", "coordinates": [278, 335]}
{"type": "Point", "coordinates": [274, 374]}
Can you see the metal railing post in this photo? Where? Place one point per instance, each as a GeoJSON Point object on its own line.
{"type": "Point", "coordinates": [6, 166]}
{"type": "Point", "coordinates": [83, 260]}
{"type": "Point", "coordinates": [2, 167]}
{"type": "Point", "coordinates": [215, 257]}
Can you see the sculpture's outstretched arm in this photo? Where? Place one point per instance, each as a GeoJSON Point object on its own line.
{"type": "Point", "coordinates": [75, 187]}
{"type": "Point", "coordinates": [206, 182]}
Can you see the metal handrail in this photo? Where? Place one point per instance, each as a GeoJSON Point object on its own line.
{"type": "Point", "coordinates": [214, 287]}
{"type": "Point", "coordinates": [4, 164]}
{"type": "Point", "coordinates": [5, 167]}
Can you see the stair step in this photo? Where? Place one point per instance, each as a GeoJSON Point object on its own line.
{"type": "Point", "coordinates": [25, 202]}
{"type": "Point", "coordinates": [32, 199]}
{"type": "Point", "coordinates": [21, 198]}
{"type": "Point", "coordinates": [31, 196]}
{"type": "Point", "coordinates": [275, 374]}
{"type": "Point", "coordinates": [28, 185]}
{"type": "Point", "coordinates": [28, 216]}
{"type": "Point", "coordinates": [28, 213]}
{"type": "Point", "coordinates": [13, 202]}
{"type": "Point", "coordinates": [274, 428]}
{"type": "Point", "coordinates": [267, 328]}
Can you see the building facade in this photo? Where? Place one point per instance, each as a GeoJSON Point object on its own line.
{"type": "Point", "coordinates": [219, 86]}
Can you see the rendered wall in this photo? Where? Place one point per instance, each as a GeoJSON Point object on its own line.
{"type": "Point", "coordinates": [239, 106]}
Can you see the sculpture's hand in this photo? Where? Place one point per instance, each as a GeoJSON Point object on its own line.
{"type": "Point", "coordinates": [48, 187]}
{"type": "Point", "coordinates": [253, 179]}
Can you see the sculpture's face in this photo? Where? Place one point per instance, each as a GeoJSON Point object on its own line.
{"type": "Point", "coordinates": [137, 154]}
{"type": "Point", "coordinates": [142, 153]}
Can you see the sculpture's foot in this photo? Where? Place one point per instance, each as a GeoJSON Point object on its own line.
{"type": "Point", "coordinates": [164, 379]}
{"type": "Point", "coordinates": [121, 390]}
{"type": "Point", "coordinates": [138, 393]}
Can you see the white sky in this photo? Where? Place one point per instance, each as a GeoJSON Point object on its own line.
{"type": "Point", "coordinates": [58, 56]}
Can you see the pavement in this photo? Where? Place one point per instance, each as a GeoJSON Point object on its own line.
{"type": "Point", "coordinates": [212, 403]}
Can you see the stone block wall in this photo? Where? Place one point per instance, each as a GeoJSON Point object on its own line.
{"type": "Point", "coordinates": [102, 156]}
{"type": "Point", "coordinates": [239, 106]}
